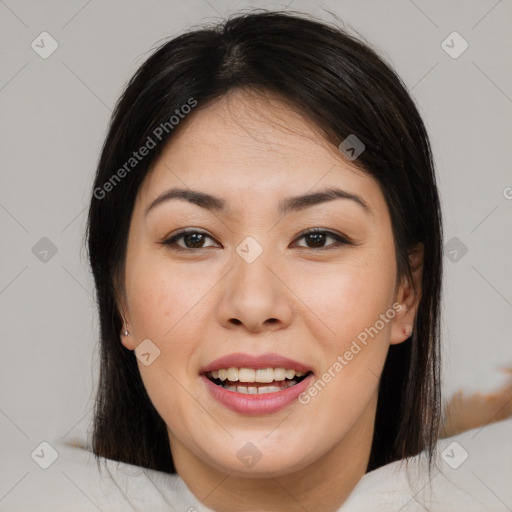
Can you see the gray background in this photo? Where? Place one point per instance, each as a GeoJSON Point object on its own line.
{"type": "Point", "coordinates": [54, 117]}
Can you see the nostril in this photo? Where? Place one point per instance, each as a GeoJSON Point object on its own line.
{"type": "Point", "coordinates": [236, 321]}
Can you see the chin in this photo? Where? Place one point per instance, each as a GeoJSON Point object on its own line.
{"type": "Point", "coordinates": [256, 459]}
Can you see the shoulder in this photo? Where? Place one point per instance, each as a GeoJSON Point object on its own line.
{"type": "Point", "coordinates": [76, 479]}
{"type": "Point", "coordinates": [472, 471]}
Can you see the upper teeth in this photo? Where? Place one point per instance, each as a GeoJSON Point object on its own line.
{"type": "Point", "coordinates": [251, 375]}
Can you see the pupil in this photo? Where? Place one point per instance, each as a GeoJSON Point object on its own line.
{"type": "Point", "coordinates": [317, 238]}
{"type": "Point", "coordinates": [196, 239]}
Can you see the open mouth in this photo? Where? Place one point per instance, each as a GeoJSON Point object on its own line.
{"type": "Point", "coordinates": [256, 381]}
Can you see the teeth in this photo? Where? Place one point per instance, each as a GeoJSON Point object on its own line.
{"type": "Point", "coordinates": [233, 374]}
{"type": "Point", "coordinates": [246, 375]}
{"type": "Point", "coordinates": [280, 374]}
{"type": "Point", "coordinates": [263, 375]}
{"type": "Point", "coordinates": [253, 390]}
{"type": "Point", "coordinates": [268, 389]}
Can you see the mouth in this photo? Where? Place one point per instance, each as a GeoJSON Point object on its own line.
{"type": "Point", "coordinates": [256, 381]}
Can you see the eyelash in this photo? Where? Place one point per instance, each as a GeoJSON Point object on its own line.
{"type": "Point", "coordinates": [339, 239]}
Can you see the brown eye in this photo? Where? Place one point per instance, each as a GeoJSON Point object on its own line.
{"type": "Point", "coordinates": [192, 239]}
{"type": "Point", "coordinates": [317, 238]}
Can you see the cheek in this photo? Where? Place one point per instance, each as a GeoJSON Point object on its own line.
{"type": "Point", "coordinates": [346, 298]}
{"type": "Point", "coordinates": [166, 306]}
{"type": "Point", "coordinates": [151, 303]}
{"type": "Point", "coordinates": [162, 309]}
{"type": "Point", "coordinates": [160, 296]}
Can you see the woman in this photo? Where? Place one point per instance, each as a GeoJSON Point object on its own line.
{"type": "Point", "coordinates": [265, 238]}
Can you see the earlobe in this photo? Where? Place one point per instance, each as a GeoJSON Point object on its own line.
{"type": "Point", "coordinates": [125, 334]}
{"type": "Point", "coordinates": [402, 323]}
{"type": "Point", "coordinates": [127, 341]}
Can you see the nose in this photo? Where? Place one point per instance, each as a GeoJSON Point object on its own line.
{"type": "Point", "coordinates": [255, 297]}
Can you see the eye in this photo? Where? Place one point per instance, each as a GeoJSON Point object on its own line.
{"type": "Point", "coordinates": [318, 237]}
{"type": "Point", "coordinates": [192, 238]}
{"type": "Point", "coordinates": [315, 238]}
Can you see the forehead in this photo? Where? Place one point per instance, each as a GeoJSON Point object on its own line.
{"type": "Point", "coordinates": [252, 145]}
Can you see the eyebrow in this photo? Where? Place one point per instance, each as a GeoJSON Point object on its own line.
{"type": "Point", "coordinates": [294, 203]}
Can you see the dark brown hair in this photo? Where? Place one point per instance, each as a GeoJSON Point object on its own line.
{"type": "Point", "coordinates": [344, 88]}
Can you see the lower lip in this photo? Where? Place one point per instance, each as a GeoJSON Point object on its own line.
{"type": "Point", "coordinates": [256, 405]}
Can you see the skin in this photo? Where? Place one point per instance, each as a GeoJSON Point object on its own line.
{"type": "Point", "coordinates": [252, 151]}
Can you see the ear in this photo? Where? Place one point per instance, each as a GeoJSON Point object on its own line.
{"type": "Point", "coordinates": [409, 297]}
{"type": "Point", "coordinates": [122, 308]}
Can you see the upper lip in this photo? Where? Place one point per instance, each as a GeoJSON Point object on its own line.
{"type": "Point", "coordinates": [240, 360]}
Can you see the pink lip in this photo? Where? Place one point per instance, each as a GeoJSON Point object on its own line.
{"type": "Point", "coordinates": [256, 405]}
{"type": "Point", "coordinates": [240, 360]}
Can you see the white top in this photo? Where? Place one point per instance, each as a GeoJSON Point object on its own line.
{"type": "Point", "coordinates": [474, 473]}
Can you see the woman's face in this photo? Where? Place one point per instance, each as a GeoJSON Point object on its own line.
{"type": "Point", "coordinates": [248, 286]}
